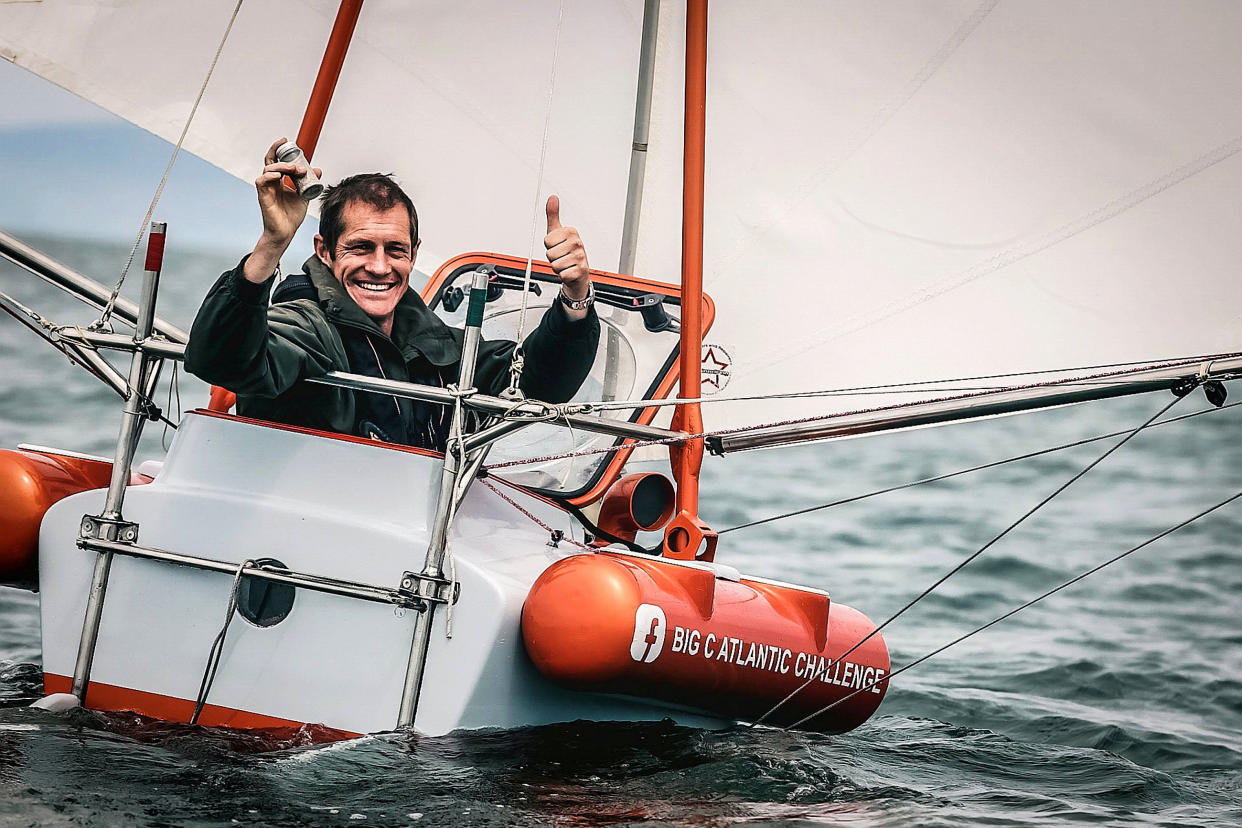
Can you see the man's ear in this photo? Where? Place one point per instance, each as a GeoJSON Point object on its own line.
{"type": "Point", "coordinates": [321, 250]}
{"type": "Point", "coordinates": [414, 252]}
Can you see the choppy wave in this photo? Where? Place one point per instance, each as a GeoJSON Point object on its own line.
{"type": "Point", "coordinates": [1117, 701]}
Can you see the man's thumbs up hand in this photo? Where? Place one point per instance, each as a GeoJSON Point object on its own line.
{"type": "Point", "coordinates": [568, 256]}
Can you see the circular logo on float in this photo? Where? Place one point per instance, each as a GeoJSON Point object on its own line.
{"type": "Point", "coordinates": [649, 627]}
{"type": "Point", "coordinates": [716, 369]}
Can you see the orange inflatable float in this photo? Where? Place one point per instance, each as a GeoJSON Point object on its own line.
{"type": "Point", "coordinates": [700, 636]}
{"type": "Point", "coordinates": [32, 481]}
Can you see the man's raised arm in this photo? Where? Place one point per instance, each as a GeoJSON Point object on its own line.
{"type": "Point", "coordinates": [229, 341]}
{"type": "Point", "coordinates": [560, 352]}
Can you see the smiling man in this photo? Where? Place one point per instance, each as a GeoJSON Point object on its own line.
{"type": "Point", "coordinates": [351, 309]}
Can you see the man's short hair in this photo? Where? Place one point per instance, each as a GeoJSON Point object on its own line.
{"type": "Point", "coordinates": [375, 189]}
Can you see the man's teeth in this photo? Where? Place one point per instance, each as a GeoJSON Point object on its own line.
{"type": "Point", "coordinates": [372, 286]}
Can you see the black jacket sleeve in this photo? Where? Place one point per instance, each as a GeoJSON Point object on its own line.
{"type": "Point", "coordinates": [236, 343]}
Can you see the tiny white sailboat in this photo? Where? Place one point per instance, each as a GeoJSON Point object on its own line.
{"type": "Point", "coordinates": [901, 216]}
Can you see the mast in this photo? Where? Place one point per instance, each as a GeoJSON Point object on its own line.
{"type": "Point", "coordinates": [312, 121]}
{"type": "Point", "coordinates": [642, 128]}
{"type": "Point", "coordinates": [329, 72]}
{"type": "Point", "coordinates": [686, 532]}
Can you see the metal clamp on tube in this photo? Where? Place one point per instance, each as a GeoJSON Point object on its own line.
{"type": "Point", "coordinates": [110, 526]}
{"type": "Point", "coordinates": [432, 584]}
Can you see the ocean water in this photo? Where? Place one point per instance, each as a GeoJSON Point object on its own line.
{"type": "Point", "coordinates": [1117, 701]}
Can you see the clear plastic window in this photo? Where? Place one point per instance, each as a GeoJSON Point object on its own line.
{"type": "Point", "coordinates": [629, 364]}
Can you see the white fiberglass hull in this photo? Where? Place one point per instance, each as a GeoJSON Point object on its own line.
{"type": "Point", "coordinates": [232, 490]}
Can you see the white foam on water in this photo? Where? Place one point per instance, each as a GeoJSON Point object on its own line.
{"type": "Point", "coordinates": [310, 753]}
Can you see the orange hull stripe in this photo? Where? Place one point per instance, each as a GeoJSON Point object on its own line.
{"type": "Point", "coordinates": [169, 708]}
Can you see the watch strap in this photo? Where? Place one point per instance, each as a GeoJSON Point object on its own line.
{"type": "Point", "coordinates": [579, 304]}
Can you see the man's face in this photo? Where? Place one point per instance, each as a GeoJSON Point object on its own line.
{"type": "Point", "coordinates": [373, 258]}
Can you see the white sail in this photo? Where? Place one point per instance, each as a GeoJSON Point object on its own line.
{"type": "Point", "coordinates": [928, 191]}
{"type": "Point", "coordinates": [451, 97]}
{"type": "Point", "coordinates": [896, 192]}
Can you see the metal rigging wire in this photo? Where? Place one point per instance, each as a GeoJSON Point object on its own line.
{"type": "Point", "coordinates": [1015, 611]}
{"type": "Point", "coordinates": [959, 472]}
{"type": "Point", "coordinates": [975, 555]}
{"type": "Point", "coordinates": [102, 322]}
{"type": "Point", "coordinates": [517, 363]}
{"type": "Point", "coordinates": [1102, 376]}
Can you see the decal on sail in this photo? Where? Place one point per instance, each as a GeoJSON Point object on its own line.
{"type": "Point", "coordinates": [717, 369]}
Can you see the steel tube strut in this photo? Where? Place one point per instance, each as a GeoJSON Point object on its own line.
{"type": "Point", "coordinates": [316, 583]}
{"type": "Point", "coordinates": [984, 404]}
{"type": "Point", "coordinates": [79, 286]}
{"type": "Point", "coordinates": [121, 342]}
{"type": "Point", "coordinates": [495, 405]}
{"type": "Point", "coordinates": [111, 526]}
{"type": "Point", "coordinates": [642, 129]}
{"type": "Point", "coordinates": [86, 356]}
{"type": "Point", "coordinates": [430, 582]}
{"type": "Point", "coordinates": [408, 390]}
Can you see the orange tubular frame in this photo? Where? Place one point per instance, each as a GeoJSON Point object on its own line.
{"type": "Point", "coordinates": [687, 458]}
{"type": "Point", "coordinates": [619, 457]}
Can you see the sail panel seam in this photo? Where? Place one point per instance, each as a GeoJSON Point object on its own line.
{"type": "Point", "coordinates": [881, 119]}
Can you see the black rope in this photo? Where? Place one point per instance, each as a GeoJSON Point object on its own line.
{"type": "Point", "coordinates": [173, 385]}
{"type": "Point", "coordinates": [1013, 612]}
{"type": "Point", "coordinates": [977, 553]}
{"type": "Point", "coordinates": [147, 408]}
{"type": "Point", "coordinates": [217, 646]}
{"type": "Point", "coordinates": [939, 477]}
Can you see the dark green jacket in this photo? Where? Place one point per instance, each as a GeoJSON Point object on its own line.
{"type": "Point", "coordinates": [262, 353]}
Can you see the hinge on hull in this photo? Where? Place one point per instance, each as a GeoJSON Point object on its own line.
{"type": "Point", "coordinates": [420, 590]}
{"type": "Point", "coordinates": [97, 527]}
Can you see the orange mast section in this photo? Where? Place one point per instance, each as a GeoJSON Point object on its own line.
{"type": "Point", "coordinates": [688, 457]}
{"type": "Point", "coordinates": [687, 537]}
{"type": "Point", "coordinates": [329, 71]}
{"type": "Point", "coordinates": [312, 122]}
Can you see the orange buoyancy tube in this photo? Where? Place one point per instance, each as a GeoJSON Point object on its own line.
{"type": "Point", "coordinates": [30, 482]}
{"type": "Point", "coordinates": [652, 627]}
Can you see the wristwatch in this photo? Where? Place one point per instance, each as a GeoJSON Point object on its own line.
{"type": "Point", "coordinates": [579, 304]}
